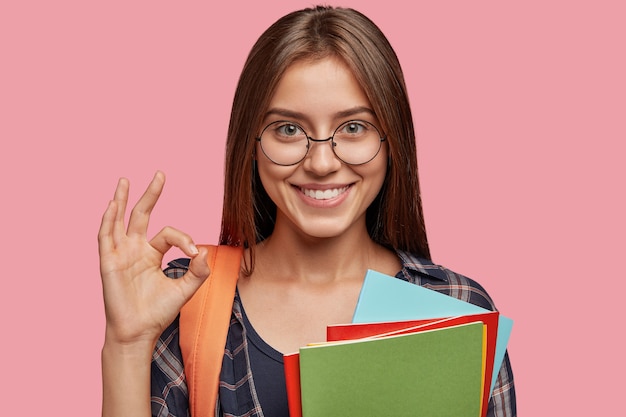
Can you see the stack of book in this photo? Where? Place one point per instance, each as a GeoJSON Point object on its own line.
{"type": "Point", "coordinates": [409, 351]}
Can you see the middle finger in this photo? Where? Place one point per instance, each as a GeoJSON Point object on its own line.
{"type": "Point", "coordinates": [140, 215]}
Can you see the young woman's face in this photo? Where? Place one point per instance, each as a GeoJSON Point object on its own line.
{"type": "Point", "coordinates": [320, 196]}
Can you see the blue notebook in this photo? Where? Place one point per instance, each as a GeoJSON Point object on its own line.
{"type": "Point", "coordinates": [386, 298]}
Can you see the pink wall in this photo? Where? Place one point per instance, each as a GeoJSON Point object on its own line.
{"type": "Point", "coordinates": [520, 109]}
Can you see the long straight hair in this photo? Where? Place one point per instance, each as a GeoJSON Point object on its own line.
{"type": "Point", "coordinates": [395, 218]}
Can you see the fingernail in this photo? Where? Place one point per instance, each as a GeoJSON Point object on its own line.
{"type": "Point", "coordinates": [193, 249]}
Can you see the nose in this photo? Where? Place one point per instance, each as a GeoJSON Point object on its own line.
{"type": "Point", "coordinates": [321, 158]}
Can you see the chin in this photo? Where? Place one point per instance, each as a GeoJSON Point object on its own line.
{"type": "Point", "coordinates": [325, 230]}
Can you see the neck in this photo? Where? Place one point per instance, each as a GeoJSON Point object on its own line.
{"type": "Point", "coordinates": [286, 256]}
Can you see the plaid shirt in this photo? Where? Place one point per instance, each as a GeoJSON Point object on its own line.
{"type": "Point", "coordinates": [237, 393]}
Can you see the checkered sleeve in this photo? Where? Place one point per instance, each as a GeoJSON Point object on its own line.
{"type": "Point", "coordinates": [502, 402]}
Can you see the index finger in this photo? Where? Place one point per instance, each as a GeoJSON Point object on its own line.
{"type": "Point", "coordinates": [140, 215]}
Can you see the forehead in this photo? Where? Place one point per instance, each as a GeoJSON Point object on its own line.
{"type": "Point", "coordinates": [319, 89]}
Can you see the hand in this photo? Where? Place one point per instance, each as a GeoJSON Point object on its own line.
{"type": "Point", "coordinates": [140, 301]}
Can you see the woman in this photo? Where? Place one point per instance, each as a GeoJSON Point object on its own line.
{"type": "Point", "coordinates": [321, 185]}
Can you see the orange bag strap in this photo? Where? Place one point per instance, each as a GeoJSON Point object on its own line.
{"type": "Point", "coordinates": [204, 322]}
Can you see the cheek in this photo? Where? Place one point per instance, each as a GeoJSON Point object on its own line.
{"type": "Point", "coordinates": [383, 162]}
{"type": "Point", "coordinates": [272, 176]}
{"type": "Point", "coordinates": [376, 170]}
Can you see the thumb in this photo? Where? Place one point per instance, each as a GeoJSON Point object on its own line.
{"type": "Point", "coordinates": [197, 273]}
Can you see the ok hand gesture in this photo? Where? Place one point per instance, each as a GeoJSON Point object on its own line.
{"type": "Point", "coordinates": [140, 301]}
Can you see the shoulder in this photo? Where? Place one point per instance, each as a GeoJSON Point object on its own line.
{"type": "Point", "coordinates": [424, 272]}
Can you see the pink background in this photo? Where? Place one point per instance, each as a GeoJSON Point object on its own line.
{"type": "Point", "coordinates": [520, 111]}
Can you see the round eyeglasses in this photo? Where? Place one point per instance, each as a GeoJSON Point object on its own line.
{"type": "Point", "coordinates": [355, 142]}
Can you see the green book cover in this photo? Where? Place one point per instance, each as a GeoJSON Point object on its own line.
{"type": "Point", "coordinates": [431, 373]}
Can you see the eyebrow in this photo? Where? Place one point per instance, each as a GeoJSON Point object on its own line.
{"type": "Point", "coordinates": [339, 115]}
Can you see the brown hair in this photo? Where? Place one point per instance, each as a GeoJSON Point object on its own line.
{"type": "Point", "coordinates": [395, 218]}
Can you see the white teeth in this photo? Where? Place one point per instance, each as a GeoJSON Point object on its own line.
{"type": "Point", "coordinates": [324, 194]}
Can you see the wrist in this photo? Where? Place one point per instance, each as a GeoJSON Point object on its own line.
{"type": "Point", "coordinates": [130, 339]}
{"type": "Point", "coordinates": [137, 349]}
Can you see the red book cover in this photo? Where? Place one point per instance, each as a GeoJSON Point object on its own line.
{"type": "Point", "coordinates": [353, 331]}
{"type": "Point", "coordinates": [292, 379]}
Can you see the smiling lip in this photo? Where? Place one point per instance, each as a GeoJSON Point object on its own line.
{"type": "Point", "coordinates": [323, 196]}
{"type": "Point", "coordinates": [326, 194]}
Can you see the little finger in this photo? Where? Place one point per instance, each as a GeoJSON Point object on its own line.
{"type": "Point", "coordinates": [105, 234]}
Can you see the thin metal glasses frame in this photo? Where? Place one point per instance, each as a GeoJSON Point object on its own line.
{"type": "Point", "coordinates": [310, 139]}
